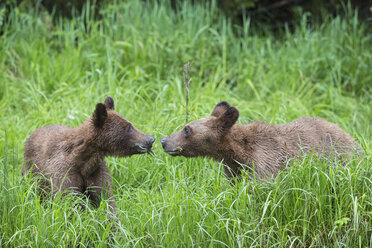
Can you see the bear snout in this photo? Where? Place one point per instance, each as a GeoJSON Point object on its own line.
{"type": "Point", "coordinates": [166, 144]}
{"type": "Point", "coordinates": [148, 142]}
{"type": "Point", "coordinates": [152, 139]}
{"type": "Point", "coordinates": [169, 147]}
{"type": "Point", "coordinates": [162, 141]}
{"type": "Point", "coordinates": [146, 145]}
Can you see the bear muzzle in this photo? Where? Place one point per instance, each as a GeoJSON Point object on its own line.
{"type": "Point", "coordinates": [171, 151]}
{"type": "Point", "coordinates": [146, 147]}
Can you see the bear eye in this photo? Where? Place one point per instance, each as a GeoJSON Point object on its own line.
{"type": "Point", "coordinates": [129, 128]}
{"type": "Point", "coordinates": [186, 130]}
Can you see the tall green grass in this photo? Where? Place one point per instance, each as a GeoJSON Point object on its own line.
{"type": "Point", "coordinates": [55, 72]}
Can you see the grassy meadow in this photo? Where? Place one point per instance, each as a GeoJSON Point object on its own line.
{"type": "Point", "coordinates": [56, 71]}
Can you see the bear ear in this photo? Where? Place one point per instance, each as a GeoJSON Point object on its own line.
{"type": "Point", "coordinates": [109, 103]}
{"type": "Point", "coordinates": [220, 108]}
{"type": "Point", "coordinates": [99, 115]}
{"type": "Point", "coordinates": [228, 119]}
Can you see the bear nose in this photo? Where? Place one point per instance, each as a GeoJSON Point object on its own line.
{"type": "Point", "coordinates": [152, 139]}
{"type": "Point", "coordinates": [162, 141]}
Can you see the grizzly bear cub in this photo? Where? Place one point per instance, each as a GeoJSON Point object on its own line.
{"type": "Point", "coordinates": [73, 158]}
{"type": "Point", "coordinates": [264, 148]}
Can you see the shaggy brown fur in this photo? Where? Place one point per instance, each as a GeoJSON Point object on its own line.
{"type": "Point", "coordinates": [73, 158]}
{"type": "Point", "coordinates": [262, 147]}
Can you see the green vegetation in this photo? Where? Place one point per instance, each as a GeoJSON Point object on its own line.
{"type": "Point", "coordinates": [55, 72]}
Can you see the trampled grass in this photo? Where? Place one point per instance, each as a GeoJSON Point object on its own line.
{"type": "Point", "coordinates": [57, 72]}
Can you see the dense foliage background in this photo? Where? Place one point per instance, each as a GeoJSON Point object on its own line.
{"type": "Point", "coordinates": [55, 68]}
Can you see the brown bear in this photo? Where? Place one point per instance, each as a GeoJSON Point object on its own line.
{"type": "Point", "coordinates": [264, 148]}
{"type": "Point", "coordinates": [74, 158]}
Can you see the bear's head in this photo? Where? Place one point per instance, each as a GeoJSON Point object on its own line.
{"type": "Point", "coordinates": [114, 135]}
{"type": "Point", "coordinates": [203, 137]}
